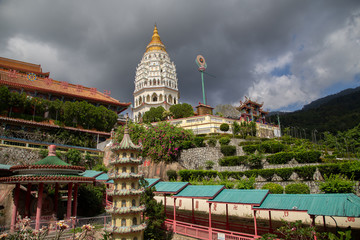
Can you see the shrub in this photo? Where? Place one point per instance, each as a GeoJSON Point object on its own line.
{"type": "Point", "coordinates": [250, 148]}
{"type": "Point", "coordinates": [246, 183]}
{"type": "Point", "coordinates": [212, 142]}
{"type": "Point", "coordinates": [271, 147]}
{"type": "Point", "coordinates": [228, 150]}
{"type": "Point", "coordinates": [172, 175]}
{"type": "Point", "coordinates": [224, 127]}
{"type": "Point", "coordinates": [248, 143]}
{"type": "Point", "coordinates": [233, 161]}
{"type": "Point", "coordinates": [43, 153]}
{"type": "Point", "coordinates": [254, 161]}
{"type": "Point", "coordinates": [91, 198]}
{"type": "Point", "coordinates": [199, 141]}
{"type": "Point", "coordinates": [267, 173]}
{"type": "Point", "coordinates": [280, 157]}
{"type": "Point", "coordinates": [337, 184]}
{"type": "Point", "coordinates": [284, 173]}
{"type": "Point", "coordinates": [274, 188]}
{"type": "Point", "coordinates": [297, 188]}
{"type": "Point", "coordinates": [224, 141]}
{"type": "Point", "coordinates": [209, 164]}
{"type": "Point", "coordinates": [73, 156]}
{"type": "Point", "coordinates": [306, 172]}
{"type": "Point", "coordinates": [187, 144]}
{"type": "Point", "coordinates": [308, 156]}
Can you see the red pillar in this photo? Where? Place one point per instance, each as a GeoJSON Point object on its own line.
{"type": "Point", "coordinates": [27, 200]}
{"type": "Point", "coordinates": [39, 206]}
{"type": "Point", "coordinates": [16, 204]}
{"type": "Point", "coordinates": [174, 215]}
{"type": "Point", "coordinates": [56, 198]}
{"type": "Point", "coordinates": [210, 230]}
{"type": "Point", "coordinates": [192, 205]}
{"type": "Point", "coordinates": [255, 225]}
{"type": "Point", "coordinates": [68, 212]}
{"type": "Point", "coordinates": [75, 199]}
{"type": "Point", "coordinates": [165, 204]}
{"type": "Point", "coordinates": [227, 217]}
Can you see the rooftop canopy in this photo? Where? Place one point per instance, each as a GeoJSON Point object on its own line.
{"type": "Point", "coordinates": [170, 187]}
{"type": "Point", "coordinates": [341, 204]}
{"type": "Point", "coordinates": [200, 191]}
{"type": "Point", "coordinates": [152, 181]}
{"type": "Point", "coordinates": [241, 196]}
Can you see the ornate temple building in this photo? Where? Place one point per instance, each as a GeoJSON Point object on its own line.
{"type": "Point", "coordinates": [251, 110]}
{"type": "Point", "coordinates": [126, 209]}
{"type": "Point", "coordinates": [156, 82]}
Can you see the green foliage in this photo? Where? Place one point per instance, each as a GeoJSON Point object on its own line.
{"type": "Point", "coordinates": [340, 235]}
{"type": "Point", "coordinates": [295, 231]}
{"type": "Point", "coordinates": [172, 175]}
{"type": "Point", "coordinates": [284, 173]}
{"type": "Point", "coordinates": [73, 157]}
{"type": "Point", "coordinates": [228, 150]}
{"type": "Point", "coordinates": [43, 153]}
{"type": "Point", "coordinates": [254, 161]}
{"type": "Point", "coordinates": [212, 142]}
{"type": "Point", "coordinates": [274, 188]}
{"type": "Point", "coordinates": [271, 147]}
{"type": "Point", "coordinates": [187, 144]}
{"type": "Point", "coordinates": [154, 115]}
{"type": "Point", "coordinates": [250, 148]}
{"type": "Point", "coordinates": [280, 157]}
{"type": "Point", "coordinates": [308, 156]}
{"type": "Point", "coordinates": [199, 141]}
{"type": "Point", "coordinates": [182, 110]}
{"type": "Point", "coordinates": [236, 128]}
{"type": "Point", "coordinates": [154, 213]}
{"type": "Point", "coordinates": [100, 167]}
{"type": "Point", "coordinates": [209, 164]}
{"type": "Point", "coordinates": [297, 188]}
{"type": "Point", "coordinates": [337, 184]}
{"type": "Point", "coordinates": [247, 129]}
{"type": "Point", "coordinates": [233, 161]}
{"type": "Point", "coordinates": [91, 198]}
{"type": "Point", "coordinates": [246, 183]}
{"type": "Point", "coordinates": [187, 175]}
{"type": "Point", "coordinates": [224, 140]}
{"type": "Point", "coordinates": [224, 127]}
{"type": "Point", "coordinates": [306, 172]}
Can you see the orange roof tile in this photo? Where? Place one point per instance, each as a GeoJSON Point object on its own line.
{"type": "Point", "coordinates": [21, 66]}
{"type": "Point", "coordinates": [48, 85]}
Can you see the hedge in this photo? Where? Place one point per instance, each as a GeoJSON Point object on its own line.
{"type": "Point", "coordinates": [308, 157]}
{"type": "Point", "coordinates": [271, 147]}
{"type": "Point", "coordinates": [250, 148]}
{"type": "Point", "coordinates": [305, 172]}
{"type": "Point", "coordinates": [228, 150]}
{"type": "Point", "coordinates": [297, 188]}
{"type": "Point", "coordinates": [233, 161]}
{"type": "Point", "coordinates": [224, 141]}
{"type": "Point", "coordinates": [248, 143]}
{"type": "Point", "coordinates": [274, 188]}
{"type": "Point", "coordinates": [199, 142]}
{"type": "Point", "coordinates": [280, 157]}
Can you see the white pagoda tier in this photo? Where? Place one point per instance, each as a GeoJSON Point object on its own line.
{"type": "Point", "coordinates": [156, 83]}
{"type": "Point", "coordinates": [126, 210]}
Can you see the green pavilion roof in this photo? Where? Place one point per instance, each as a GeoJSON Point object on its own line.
{"type": "Point", "coordinates": [52, 160]}
{"type": "Point", "coordinates": [91, 173]}
{"type": "Point", "coordinates": [170, 187]}
{"type": "Point", "coordinates": [341, 204]}
{"type": "Point", "coordinates": [241, 196]}
{"type": "Point", "coordinates": [200, 191]}
{"type": "Point", "coordinates": [152, 181]}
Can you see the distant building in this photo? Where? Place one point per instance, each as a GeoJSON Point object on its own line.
{"type": "Point", "coordinates": [156, 83]}
{"type": "Point", "coordinates": [252, 111]}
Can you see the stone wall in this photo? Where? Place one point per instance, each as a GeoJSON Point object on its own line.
{"type": "Point", "coordinates": [16, 156]}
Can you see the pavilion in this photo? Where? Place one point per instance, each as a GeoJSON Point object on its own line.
{"type": "Point", "coordinates": [48, 171]}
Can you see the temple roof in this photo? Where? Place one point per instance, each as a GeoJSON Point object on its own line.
{"type": "Point", "coordinates": [22, 66]}
{"type": "Point", "coordinates": [155, 43]}
{"type": "Point", "coordinates": [51, 160]}
{"type": "Point", "coordinates": [126, 143]}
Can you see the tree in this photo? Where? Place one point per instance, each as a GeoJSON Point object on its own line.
{"type": "Point", "coordinates": [4, 98]}
{"type": "Point", "coordinates": [182, 110]}
{"type": "Point", "coordinates": [236, 128]}
{"type": "Point", "coordinates": [73, 156]}
{"type": "Point", "coordinates": [154, 114]}
{"type": "Point", "coordinates": [224, 127]}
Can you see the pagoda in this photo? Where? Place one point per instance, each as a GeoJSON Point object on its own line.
{"type": "Point", "coordinates": [126, 209]}
{"type": "Point", "coordinates": [252, 111]}
{"type": "Point", "coordinates": [156, 83]}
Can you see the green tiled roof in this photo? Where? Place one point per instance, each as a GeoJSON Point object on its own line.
{"type": "Point", "coordinates": [4, 166]}
{"type": "Point", "coordinates": [341, 204]}
{"type": "Point", "coordinates": [170, 187]}
{"type": "Point", "coordinates": [152, 181]}
{"type": "Point", "coordinates": [200, 191]}
{"type": "Point", "coordinates": [244, 196]}
{"type": "Point", "coordinates": [51, 160]}
{"type": "Point", "coordinates": [102, 177]}
{"type": "Point", "coordinates": [91, 173]}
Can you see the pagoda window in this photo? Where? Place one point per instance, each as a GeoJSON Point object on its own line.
{"type": "Point", "coordinates": [123, 186]}
{"type": "Point", "coordinates": [154, 97]}
{"type": "Point", "coordinates": [154, 82]}
{"type": "Point", "coordinates": [170, 99]}
{"type": "Point", "coordinates": [132, 185]}
{"type": "Point", "coordinates": [174, 100]}
{"type": "Point", "coordinates": [132, 155]}
{"type": "Point", "coordinates": [123, 223]}
{"type": "Point", "coordinates": [160, 98]}
{"type": "Point", "coordinates": [147, 98]}
{"type": "Point", "coordinates": [124, 155]}
{"type": "Point", "coordinates": [124, 169]}
{"type": "Point", "coordinates": [132, 169]}
{"type": "Point", "coordinates": [133, 203]}
{"type": "Point", "coordinates": [123, 203]}
{"type": "Point", "coordinates": [134, 221]}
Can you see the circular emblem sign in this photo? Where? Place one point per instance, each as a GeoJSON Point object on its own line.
{"type": "Point", "coordinates": [31, 76]}
{"type": "Point", "coordinates": [200, 61]}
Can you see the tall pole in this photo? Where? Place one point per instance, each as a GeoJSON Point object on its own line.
{"type": "Point", "coordinates": [203, 88]}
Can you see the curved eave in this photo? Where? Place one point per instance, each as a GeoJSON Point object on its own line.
{"type": "Point", "coordinates": [45, 179]}
{"type": "Point", "coordinates": [47, 167]}
{"type": "Point", "coordinates": [125, 230]}
{"type": "Point", "coordinates": [144, 89]}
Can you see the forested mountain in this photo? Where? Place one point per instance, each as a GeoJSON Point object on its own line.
{"type": "Point", "coordinates": [338, 112]}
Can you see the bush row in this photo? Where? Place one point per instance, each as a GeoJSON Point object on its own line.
{"type": "Point", "coordinates": [300, 157]}
{"type": "Point", "coordinates": [264, 147]}
{"type": "Point", "coordinates": [348, 169]}
{"type": "Point", "coordinates": [233, 161]}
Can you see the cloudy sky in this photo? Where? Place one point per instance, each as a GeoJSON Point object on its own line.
{"type": "Point", "coordinates": [285, 53]}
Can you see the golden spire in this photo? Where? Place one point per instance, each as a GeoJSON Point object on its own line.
{"type": "Point", "coordinates": [155, 43]}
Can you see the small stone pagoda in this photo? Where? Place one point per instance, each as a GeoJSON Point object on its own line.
{"type": "Point", "coordinates": [126, 209]}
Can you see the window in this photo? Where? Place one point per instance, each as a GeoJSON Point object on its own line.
{"type": "Point", "coordinates": [134, 221]}
{"type": "Point", "coordinates": [124, 169]}
{"type": "Point", "coordinates": [132, 169]}
{"type": "Point", "coordinates": [123, 203]}
{"type": "Point", "coordinates": [132, 155]}
{"type": "Point", "coordinates": [123, 222]}
{"type": "Point", "coordinates": [124, 155]}
{"type": "Point", "coordinates": [133, 185]}
{"type": "Point", "coordinates": [123, 185]}
{"type": "Point", "coordinates": [133, 203]}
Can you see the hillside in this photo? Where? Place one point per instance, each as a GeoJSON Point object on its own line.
{"type": "Point", "coordinates": [333, 113]}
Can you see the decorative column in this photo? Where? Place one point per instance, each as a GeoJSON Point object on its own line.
{"type": "Point", "coordinates": [255, 225]}
{"type": "Point", "coordinates": [174, 227]}
{"type": "Point", "coordinates": [27, 200]}
{"type": "Point", "coordinates": [75, 199]}
{"type": "Point", "coordinates": [56, 197]}
{"type": "Point", "coordinates": [39, 206]}
{"type": "Point", "coordinates": [16, 204]}
{"type": "Point", "coordinates": [68, 210]}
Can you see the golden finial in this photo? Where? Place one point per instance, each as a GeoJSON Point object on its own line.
{"type": "Point", "coordinates": [155, 43]}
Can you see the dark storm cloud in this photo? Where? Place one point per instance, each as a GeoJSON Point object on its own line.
{"type": "Point", "coordinates": [100, 43]}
